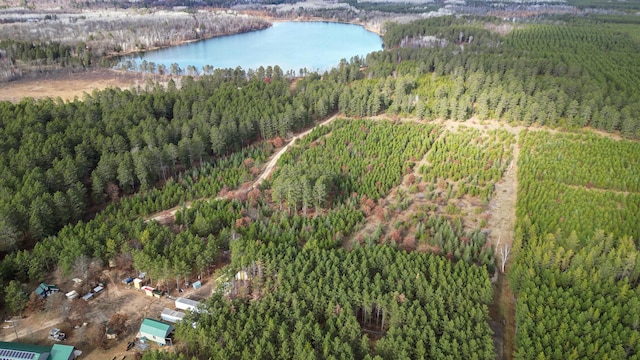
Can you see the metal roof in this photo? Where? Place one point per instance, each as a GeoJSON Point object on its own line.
{"type": "Point", "coordinates": [61, 352]}
{"type": "Point", "coordinates": [41, 289]}
{"type": "Point", "coordinates": [6, 354]}
{"type": "Point", "coordinates": [17, 351]}
{"type": "Point", "coordinates": [172, 315]}
{"type": "Point", "coordinates": [156, 328]}
{"type": "Point", "coordinates": [187, 302]}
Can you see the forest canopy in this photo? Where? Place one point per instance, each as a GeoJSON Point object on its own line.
{"type": "Point", "coordinates": [79, 179]}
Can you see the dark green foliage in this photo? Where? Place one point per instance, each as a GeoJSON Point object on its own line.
{"type": "Point", "coordinates": [576, 268]}
{"type": "Point", "coordinates": [364, 157]}
{"type": "Point", "coordinates": [15, 298]}
{"type": "Point", "coordinates": [585, 160]}
{"type": "Point", "coordinates": [571, 73]}
{"type": "Point", "coordinates": [576, 300]}
{"type": "Point", "coordinates": [579, 183]}
{"type": "Point", "coordinates": [450, 240]}
{"type": "Point", "coordinates": [450, 28]}
{"type": "Point", "coordinates": [108, 233]}
{"type": "Point", "coordinates": [577, 290]}
{"type": "Point", "coordinates": [472, 160]}
{"type": "Point", "coordinates": [47, 53]}
{"type": "Point", "coordinates": [117, 141]}
{"type": "Point", "coordinates": [323, 304]}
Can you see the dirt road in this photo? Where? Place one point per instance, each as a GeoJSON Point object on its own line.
{"type": "Point", "coordinates": [168, 215]}
{"type": "Point", "coordinates": [268, 169]}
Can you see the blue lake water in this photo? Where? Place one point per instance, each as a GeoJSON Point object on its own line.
{"type": "Point", "coordinates": [290, 45]}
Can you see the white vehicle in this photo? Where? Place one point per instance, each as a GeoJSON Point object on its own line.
{"type": "Point", "coordinates": [56, 334]}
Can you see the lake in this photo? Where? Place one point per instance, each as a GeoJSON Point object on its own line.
{"type": "Point", "coordinates": [290, 45]}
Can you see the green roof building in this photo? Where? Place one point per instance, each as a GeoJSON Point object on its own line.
{"type": "Point", "coordinates": [17, 351]}
{"type": "Point", "coordinates": [45, 290]}
{"type": "Point", "coordinates": [155, 330]}
{"type": "Point", "coordinates": [62, 352]}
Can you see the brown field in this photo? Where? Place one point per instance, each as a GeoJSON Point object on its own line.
{"type": "Point", "coordinates": [67, 86]}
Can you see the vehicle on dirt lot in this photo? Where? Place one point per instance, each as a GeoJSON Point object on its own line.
{"type": "Point", "coordinates": [56, 334]}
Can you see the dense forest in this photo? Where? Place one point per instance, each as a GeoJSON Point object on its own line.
{"type": "Point", "coordinates": [572, 73]}
{"type": "Point", "coordinates": [78, 179]}
{"type": "Point", "coordinates": [577, 269]}
{"type": "Point", "coordinates": [327, 304]}
{"type": "Point", "coordinates": [59, 158]}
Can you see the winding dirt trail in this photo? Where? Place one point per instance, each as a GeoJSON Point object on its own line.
{"type": "Point", "coordinates": [268, 169]}
{"type": "Point", "coordinates": [167, 216]}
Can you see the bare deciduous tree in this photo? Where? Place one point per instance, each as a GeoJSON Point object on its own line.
{"type": "Point", "coordinates": [504, 251]}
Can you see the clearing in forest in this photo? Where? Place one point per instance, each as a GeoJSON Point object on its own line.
{"type": "Point", "coordinates": [449, 188]}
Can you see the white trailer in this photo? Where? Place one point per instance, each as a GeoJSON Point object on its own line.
{"type": "Point", "coordinates": [186, 304]}
{"type": "Point", "coordinates": [72, 295]}
{"type": "Point", "coordinates": [172, 316]}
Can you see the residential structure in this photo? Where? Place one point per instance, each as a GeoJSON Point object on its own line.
{"type": "Point", "coordinates": [18, 351]}
{"type": "Point", "coordinates": [155, 330]}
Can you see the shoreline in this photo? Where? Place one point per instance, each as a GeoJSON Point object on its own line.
{"type": "Point", "coordinates": [270, 21]}
{"type": "Point", "coordinates": [316, 19]}
{"type": "Point", "coordinates": [73, 84]}
{"type": "Point", "coordinates": [184, 42]}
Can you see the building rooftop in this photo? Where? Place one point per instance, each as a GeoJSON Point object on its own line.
{"type": "Point", "coordinates": [11, 351]}
{"type": "Point", "coordinates": [61, 352]}
{"type": "Point", "coordinates": [156, 328]}
{"type": "Point", "coordinates": [18, 351]}
{"type": "Point", "coordinates": [187, 301]}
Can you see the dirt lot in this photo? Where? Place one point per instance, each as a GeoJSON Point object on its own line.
{"type": "Point", "coordinates": [82, 320]}
{"type": "Point", "coordinates": [67, 86]}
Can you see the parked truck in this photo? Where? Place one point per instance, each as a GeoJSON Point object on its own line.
{"type": "Point", "coordinates": [56, 335]}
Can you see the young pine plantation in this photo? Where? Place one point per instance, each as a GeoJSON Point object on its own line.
{"type": "Point", "coordinates": [372, 238]}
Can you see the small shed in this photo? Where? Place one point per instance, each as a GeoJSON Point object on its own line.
{"type": "Point", "coordinates": [137, 283]}
{"type": "Point", "coordinates": [148, 290]}
{"type": "Point", "coordinates": [172, 316]}
{"type": "Point", "coordinates": [87, 296]}
{"type": "Point", "coordinates": [197, 284]}
{"type": "Point", "coordinates": [186, 304]}
{"type": "Point", "coordinates": [45, 290]}
{"type": "Point", "coordinates": [128, 280]}
{"type": "Point", "coordinates": [155, 330]}
{"type": "Point", "coordinates": [157, 293]}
